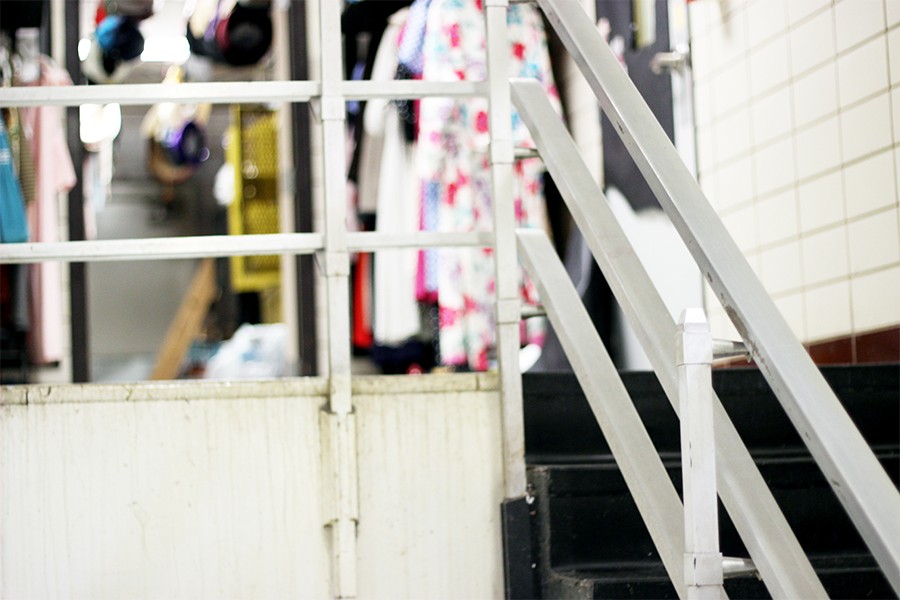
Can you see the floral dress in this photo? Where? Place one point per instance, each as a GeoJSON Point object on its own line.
{"type": "Point", "coordinates": [454, 167]}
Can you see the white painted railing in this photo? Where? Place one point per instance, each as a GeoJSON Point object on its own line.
{"type": "Point", "coordinates": [693, 359]}
{"type": "Point", "coordinates": [857, 478]}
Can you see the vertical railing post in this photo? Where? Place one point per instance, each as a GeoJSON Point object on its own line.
{"type": "Point", "coordinates": [508, 311]}
{"type": "Point", "coordinates": [702, 559]}
{"type": "Point", "coordinates": [339, 431]}
{"type": "Point", "coordinates": [518, 574]}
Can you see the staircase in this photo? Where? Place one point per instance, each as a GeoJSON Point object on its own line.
{"type": "Point", "coordinates": [590, 541]}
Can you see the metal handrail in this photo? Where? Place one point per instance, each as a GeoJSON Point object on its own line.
{"type": "Point", "coordinates": [848, 463]}
{"type": "Point", "coordinates": [753, 509]}
{"type": "Point", "coordinates": [641, 466]}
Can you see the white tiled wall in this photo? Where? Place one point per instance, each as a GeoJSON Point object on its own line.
{"type": "Point", "coordinates": [798, 141]}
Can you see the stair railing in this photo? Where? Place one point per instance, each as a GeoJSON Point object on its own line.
{"type": "Point", "coordinates": [703, 571]}
{"type": "Point", "coordinates": [769, 540]}
{"type": "Point", "coordinates": [854, 473]}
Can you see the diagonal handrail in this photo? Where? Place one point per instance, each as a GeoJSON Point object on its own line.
{"type": "Point", "coordinates": [855, 475]}
{"type": "Point", "coordinates": [637, 458]}
{"type": "Point", "coordinates": [769, 539]}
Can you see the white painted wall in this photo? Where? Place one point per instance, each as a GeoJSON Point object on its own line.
{"type": "Point", "coordinates": [214, 490]}
{"type": "Point", "coordinates": [798, 139]}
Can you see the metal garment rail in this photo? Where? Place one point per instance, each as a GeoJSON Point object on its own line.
{"type": "Point", "coordinates": [848, 463]}
{"type": "Point", "coordinates": [774, 548]}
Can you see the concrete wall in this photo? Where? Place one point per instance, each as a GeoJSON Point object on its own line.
{"type": "Point", "coordinates": [215, 490]}
{"type": "Point", "coordinates": [798, 139]}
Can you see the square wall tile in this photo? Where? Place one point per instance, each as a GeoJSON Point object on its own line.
{"type": "Point", "coordinates": [824, 256]}
{"type": "Point", "coordinates": [735, 183]}
{"type": "Point", "coordinates": [897, 167]}
{"type": "Point", "coordinates": [741, 224]}
{"type": "Point", "coordinates": [870, 185]}
{"type": "Point", "coordinates": [706, 148]}
{"type": "Point", "coordinates": [708, 186]}
{"type": "Point", "coordinates": [729, 38]}
{"type": "Point", "coordinates": [704, 111]}
{"type": "Point", "coordinates": [769, 65]}
{"type": "Point", "coordinates": [874, 242]}
{"type": "Point", "coordinates": [703, 15]}
{"type": "Point", "coordinates": [828, 311]}
{"type": "Point", "coordinates": [702, 65]}
{"type": "Point", "coordinates": [733, 134]}
{"type": "Point", "coordinates": [863, 71]}
{"type": "Point", "coordinates": [892, 9]}
{"type": "Point", "coordinates": [874, 299]}
{"type": "Point", "coordinates": [791, 308]}
{"type": "Point", "coordinates": [815, 94]}
{"type": "Point", "coordinates": [781, 269]}
{"type": "Point", "coordinates": [774, 166]}
{"type": "Point", "coordinates": [893, 40]}
{"type": "Point", "coordinates": [765, 19]}
{"type": "Point", "coordinates": [771, 116]}
{"type": "Point", "coordinates": [812, 42]}
{"type": "Point", "coordinates": [867, 127]}
{"type": "Point", "coordinates": [777, 218]}
{"type": "Point", "coordinates": [821, 202]}
{"type": "Point", "coordinates": [818, 148]}
{"type": "Point", "coordinates": [801, 9]}
{"type": "Point", "coordinates": [895, 113]}
{"type": "Point", "coordinates": [857, 21]}
{"type": "Point", "coordinates": [730, 87]}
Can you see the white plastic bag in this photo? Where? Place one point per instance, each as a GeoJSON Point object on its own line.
{"type": "Point", "coordinates": [253, 352]}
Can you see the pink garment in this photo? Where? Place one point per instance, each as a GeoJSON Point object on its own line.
{"type": "Point", "coordinates": [453, 165]}
{"type": "Point", "coordinates": [54, 174]}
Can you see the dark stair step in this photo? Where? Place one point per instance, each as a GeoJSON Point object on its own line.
{"type": "Point", "coordinates": [843, 576]}
{"type": "Point", "coordinates": [591, 517]}
{"type": "Point", "coordinates": [589, 538]}
{"type": "Point", "coordinates": [560, 427]}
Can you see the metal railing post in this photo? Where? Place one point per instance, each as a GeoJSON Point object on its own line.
{"type": "Point", "coordinates": [339, 428]}
{"type": "Point", "coordinates": [693, 358]}
{"type": "Point", "coordinates": [506, 268]}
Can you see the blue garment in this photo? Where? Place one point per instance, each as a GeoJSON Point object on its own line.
{"type": "Point", "coordinates": [13, 224]}
{"type": "Point", "coordinates": [409, 55]}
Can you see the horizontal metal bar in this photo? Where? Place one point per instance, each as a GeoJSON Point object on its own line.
{"type": "Point", "coordinates": [738, 567]}
{"type": "Point", "coordinates": [853, 471]}
{"type": "Point", "coordinates": [749, 502]}
{"type": "Point", "coordinates": [637, 458]}
{"type": "Point", "coordinates": [229, 245]}
{"type": "Point", "coordinates": [530, 312]}
{"type": "Point", "coordinates": [525, 153]}
{"type": "Point", "coordinates": [365, 241]}
{"type": "Point", "coordinates": [404, 89]}
{"type": "Point", "coordinates": [726, 349]}
{"type": "Point", "coordinates": [145, 94]}
{"type": "Point", "coordinates": [162, 248]}
{"type": "Point", "coordinates": [231, 92]}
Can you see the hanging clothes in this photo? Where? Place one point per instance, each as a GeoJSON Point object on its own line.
{"type": "Point", "coordinates": [54, 175]}
{"type": "Point", "coordinates": [13, 223]}
{"type": "Point", "coordinates": [453, 160]}
{"type": "Point", "coordinates": [386, 173]}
